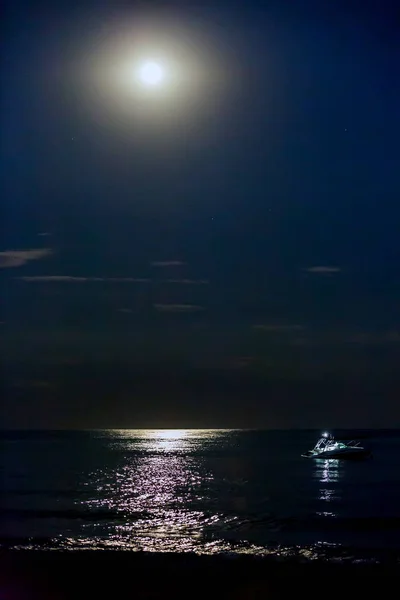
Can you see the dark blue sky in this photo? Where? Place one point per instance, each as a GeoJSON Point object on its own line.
{"type": "Point", "coordinates": [229, 258]}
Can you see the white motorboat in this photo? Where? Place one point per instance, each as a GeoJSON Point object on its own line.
{"type": "Point", "coordinates": [328, 447]}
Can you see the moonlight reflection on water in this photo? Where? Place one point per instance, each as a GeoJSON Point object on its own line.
{"type": "Point", "coordinates": [158, 488]}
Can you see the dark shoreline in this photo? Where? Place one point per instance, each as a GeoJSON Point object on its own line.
{"type": "Point", "coordinates": [58, 575]}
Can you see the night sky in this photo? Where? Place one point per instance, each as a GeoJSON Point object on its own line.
{"type": "Point", "coordinates": [222, 254]}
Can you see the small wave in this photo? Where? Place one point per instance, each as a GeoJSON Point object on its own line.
{"type": "Point", "coordinates": [84, 515]}
{"type": "Point", "coordinates": [317, 524]}
{"type": "Point", "coordinates": [312, 524]}
{"type": "Point", "coordinates": [45, 493]}
{"type": "Point", "coordinates": [353, 524]}
{"type": "Point", "coordinates": [322, 553]}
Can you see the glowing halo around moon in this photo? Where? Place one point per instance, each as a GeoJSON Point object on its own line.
{"type": "Point", "coordinates": [151, 74]}
{"type": "Point", "coordinates": [143, 80]}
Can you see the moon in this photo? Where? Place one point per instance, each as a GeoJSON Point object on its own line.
{"type": "Point", "coordinates": [151, 74]}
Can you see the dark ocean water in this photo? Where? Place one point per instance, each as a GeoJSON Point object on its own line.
{"type": "Point", "coordinates": [208, 492]}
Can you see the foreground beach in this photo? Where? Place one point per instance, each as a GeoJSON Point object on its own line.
{"type": "Point", "coordinates": [87, 574]}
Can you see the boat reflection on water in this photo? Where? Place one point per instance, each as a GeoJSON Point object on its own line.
{"type": "Point", "coordinates": [328, 472]}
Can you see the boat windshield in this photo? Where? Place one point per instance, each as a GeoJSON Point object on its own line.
{"type": "Point", "coordinates": [329, 443]}
{"type": "Point", "coordinates": [323, 442]}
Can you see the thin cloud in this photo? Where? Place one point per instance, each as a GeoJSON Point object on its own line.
{"type": "Point", "coordinates": [167, 263]}
{"type": "Point", "coordinates": [178, 307]}
{"type": "Point", "coordinates": [384, 337]}
{"type": "Point", "coordinates": [39, 384]}
{"type": "Point", "coordinates": [44, 234]}
{"type": "Point", "coordinates": [323, 270]}
{"type": "Point", "coordinates": [17, 258]}
{"type": "Point", "coordinates": [279, 328]}
{"type": "Point", "coordinates": [126, 279]}
{"type": "Point", "coordinates": [392, 336]}
{"type": "Point", "coordinates": [188, 281]}
{"type": "Point", "coordinates": [54, 278]}
{"type": "Point", "coordinates": [73, 279]}
{"type": "Point", "coordinates": [240, 362]}
{"type": "Point", "coordinates": [302, 342]}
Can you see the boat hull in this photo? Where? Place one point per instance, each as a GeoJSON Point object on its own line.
{"type": "Point", "coordinates": [348, 454]}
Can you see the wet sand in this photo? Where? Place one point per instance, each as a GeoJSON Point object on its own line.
{"type": "Point", "coordinates": [31, 575]}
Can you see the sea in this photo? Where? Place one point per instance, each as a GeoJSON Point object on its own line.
{"type": "Point", "coordinates": [213, 492]}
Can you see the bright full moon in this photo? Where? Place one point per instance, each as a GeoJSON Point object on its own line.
{"type": "Point", "coordinates": [151, 74]}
